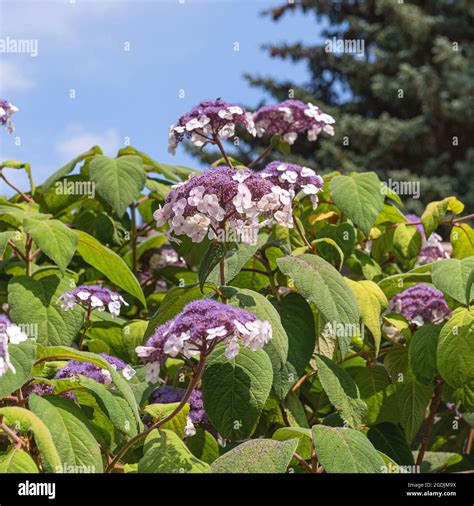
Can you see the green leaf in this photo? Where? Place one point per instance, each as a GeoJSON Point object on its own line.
{"type": "Point", "coordinates": [359, 196]}
{"type": "Point", "coordinates": [389, 439]}
{"type": "Point", "coordinates": [177, 424]}
{"type": "Point", "coordinates": [435, 212]}
{"type": "Point", "coordinates": [413, 398]}
{"type": "Point", "coordinates": [35, 302]}
{"type": "Point", "coordinates": [22, 357]}
{"type": "Point", "coordinates": [4, 238]}
{"type": "Point", "coordinates": [319, 282]}
{"type": "Point", "coordinates": [406, 242]}
{"type": "Point", "coordinates": [451, 276]}
{"type": "Point", "coordinates": [236, 260]}
{"type": "Point", "coordinates": [17, 461]}
{"type": "Point", "coordinates": [298, 321]}
{"type": "Point", "coordinates": [69, 427]}
{"type": "Point", "coordinates": [341, 391]}
{"type": "Point", "coordinates": [64, 353]}
{"type": "Point", "coordinates": [462, 240]}
{"type": "Point", "coordinates": [345, 451]}
{"type": "Point", "coordinates": [212, 258]}
{"type": "Point", "coordinates": [22, 420]}
{"type": "Point", "coordinates": [57, 241]}
{"type": "Point", "coordinates": [109, 264]}
{"type": "Point", "coordinates": [166, 453]}
{"type": "Point", "coordinates": [234, 392]}
{"type": "Point", "coordinates": [119, 181]}
{"type": "Point", "coordinates": [204, 446]}
{"type": "Point", "coordinates": [455, 354]}
{"type": "Point", "coordinates": [303, 435]}
{"type": "Point", "coordinates": [396, 363]}
{"type": "Point", "coordinates": [69, 167]}
{"type": "Point", "coordinates": [391, 285]}
{"type": "Point", "coordinates": [259, 456]}
{"type": "Point", "coordinates": [371, 302]}
{"type": "Point", "coordinates": [422, 353]}
{"type": "Point", "coordinates": [376, 391]}
{"type": "Point", "coordinates": [437, 461]}
{"type": "Point", "coordinates": [277, 348]}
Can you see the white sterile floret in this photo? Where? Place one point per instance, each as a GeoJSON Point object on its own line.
{"type": "Point", "coordinates": [195, 195]}
{"type": "Point", "coordinates": [175, 343]}
{"type": "Point", "coordinates": [243, 200]}
{"type": "Point", "coordinates": [290, 176]}
{"type": "Point", "coordinates": [144, 351]}
{"type": "Point", "coordinates": [152, 370]}
{"type": "Point", "coordinates": [216, 332]}
{"type": "Point", "coordinates": [290, 137]}
{"type": "Point", "coordinates": [232, 349]}
{"type": "Point", "coordinates": [307, 172]}
{"type": "Point", "coordinates": [189, 430]}
{"type": "Point", "coordinates": [15, 334]}
{"type": "Point", "coordinates": [241, 176]}
{"type": "Point", "coordinates": [309, 189]}
{"type": "Point", "coordinates": [128, 372]}
{"type": "Point", "coordinates": [209, 204]}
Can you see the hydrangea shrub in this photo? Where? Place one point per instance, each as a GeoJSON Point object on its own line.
{"type": "Point", "coordinates": [270, 318]}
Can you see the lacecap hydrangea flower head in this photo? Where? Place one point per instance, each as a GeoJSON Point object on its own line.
{"type": "Point", "coordinates": [9, 334]}
{"type": "Point", "coordinates": [290, 118]}
{"type": "Point", "coordinates": [93, 296]}
{"type": "Point", "coordinates": [293, 178]}
{"type": "Point", "coordinates": [208, 121]}
{"type": "Point", "coordinates": [223, 198]}
{"type": "Point", "coordinates": [431, 248]}
{"type": "Point", "coordinates": [198, 329]}
{"type": "Point", "coordinates": [93, 371]}
{"type": "Point", "coordinates": [421, 304]}
{"type": "Point", "coordinates": [6, 112]}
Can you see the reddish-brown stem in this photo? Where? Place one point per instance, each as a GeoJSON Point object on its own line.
{"type": "Point", "coordinates": [221, 149]}
{"type": "Point", "coordinates": [11, 185]}
{"type": "Point", "coordinates": [435, 401]}
{"type": "Point", "coordinates": [16, 250]}
{"type": "Point", "coordinates": [303, 462]}
{"type": "Point", "coordinates": [19, 442]}
{"type": "Point", "coordinates": [303, 379]}
{"type": "Point", "coordinates": [262, 155]}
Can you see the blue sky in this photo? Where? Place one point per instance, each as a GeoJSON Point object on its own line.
{"type": "Point", "coordinates": [173, 45]}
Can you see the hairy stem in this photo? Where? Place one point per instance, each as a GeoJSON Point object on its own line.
{"type": "Point", "coordinates": [435, 401]}
{"type": "Point", "coordinates": [262, 155]}
{"type": "Point", "coordinates": [221, 149]}
{"type": "Point", "coordinates": [11, 185]}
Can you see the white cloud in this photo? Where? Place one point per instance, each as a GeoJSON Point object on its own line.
{"type": "Point", "coordinates": [13, 79]}
{"type": "Point", "coordinates": [76, 140]}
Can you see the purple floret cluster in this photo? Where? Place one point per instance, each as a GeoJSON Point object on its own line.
{"type": "Point", "coordinates": [93, 296]}
{"type": "Point", "coordinates": [168, 395]}
{"type": "Point", "coordinates": [93, 371]}
{"type": "Point", "coordinates": [421, 304]}
{"type": "Point", "coordinates": [209, 120]}
{"type": "Point", "coordinates": [197, 415]}
{"type": "Point", "coordinates": [223, 199]}
{"type": "Point", "coordinates": [198, 329]}
{"type": "Point", "coordinates": [432, 248]}
{"type": "Point", "coordinates": [291, 118]}
{"type": "Point", "coordinates": [6, 112]}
